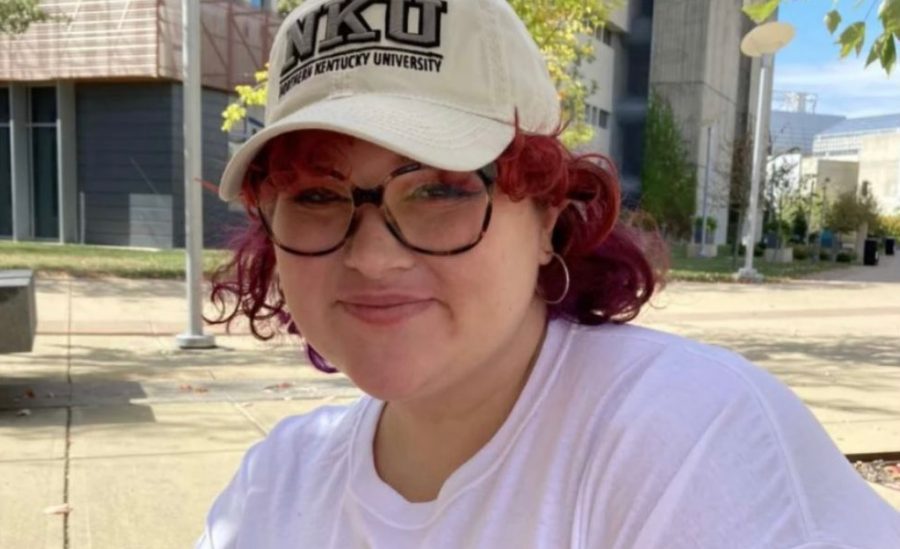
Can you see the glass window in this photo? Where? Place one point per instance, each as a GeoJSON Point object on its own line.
{"type": "Point", "coordinates": [44, 170]}
{"type": "Point", "coordinates": [43, 105]}
{"type": "Point", "coordinates": [603, 119]}
{"type": "Point", "coordinates": [43, 178]}
{"type": "Point", "coordinates": [4, 105]}
{"type": "Point", "coordinates": [6, 228]}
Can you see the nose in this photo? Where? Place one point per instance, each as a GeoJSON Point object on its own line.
{"type": "Point", "coordinates": [372, 250]}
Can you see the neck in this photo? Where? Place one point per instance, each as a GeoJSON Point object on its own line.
{"type": "Point", "coordinates": [418, 444]}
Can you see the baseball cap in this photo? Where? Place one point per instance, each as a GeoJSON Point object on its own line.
{"type": "Point", "coordinates": [438, 81]}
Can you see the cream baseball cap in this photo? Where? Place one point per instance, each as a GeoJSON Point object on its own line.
{"type": "Point", "coordinates": [438, 81]}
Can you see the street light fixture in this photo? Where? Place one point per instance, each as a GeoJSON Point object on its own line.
{"type": "Point", "coordinates": [763, 42]}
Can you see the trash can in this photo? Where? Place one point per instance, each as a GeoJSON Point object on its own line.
{"type": "Point", "coordinates": [889, 246]}
{"type": "Point", "coordinates": [870, 256]}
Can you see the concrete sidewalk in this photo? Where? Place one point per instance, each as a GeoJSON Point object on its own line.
{"type": "Point", "coordinates": [138, 437]}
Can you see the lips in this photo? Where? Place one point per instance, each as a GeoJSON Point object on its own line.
{"type": "Point", "coordinates": [384, 309]}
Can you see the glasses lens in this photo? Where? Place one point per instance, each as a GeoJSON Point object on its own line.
{"type": "Point", "coordinates": [438, 211]}
{"type": "Point", "coordinates": [309, 214]}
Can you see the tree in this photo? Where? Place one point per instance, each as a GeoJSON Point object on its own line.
{"type": "Point", "coordinates": [17, 15]}
{"type": "Point", "coordinates": [849, 212]}
{"type": "Point", "coordinates": [853, 36]}
{"type": "Point", "coordinates": [780, 193]}
{"type": "Point", "coordinates": [557, 26]}
{"type": "Point", "coordinates": [668, 177]}
{"type": "Point", "coordinates": [889, 225]}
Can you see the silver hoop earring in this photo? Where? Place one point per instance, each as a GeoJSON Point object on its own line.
{"type": "Point", "coordinates": [567, 278]}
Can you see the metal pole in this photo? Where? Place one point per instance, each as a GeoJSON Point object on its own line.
{"type": "Point", "coordinates": [748, 272]}
{"type": "Point", "coordinates": [705, 208]}
{"type": "Point", "coordinates": [193, 199]}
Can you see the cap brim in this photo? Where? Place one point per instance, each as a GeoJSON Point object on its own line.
{"type": "Point", "coordinates": [437, 135]}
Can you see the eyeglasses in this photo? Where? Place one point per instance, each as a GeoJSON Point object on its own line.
{"type": "Point", "coordinates": [431, 211]}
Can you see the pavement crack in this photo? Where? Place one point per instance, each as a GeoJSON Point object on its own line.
{"type": "Point", "coordinates": [243, 411]}
{"type": "Point", "coordinates": [68, 443]}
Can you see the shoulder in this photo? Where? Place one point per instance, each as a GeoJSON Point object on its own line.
{"type": "Point", "coordinates": [711, 433]}
{"type": "Point", "coordinates": [676, 389]}
{"type": "Point", "coordinates": [638, 363]}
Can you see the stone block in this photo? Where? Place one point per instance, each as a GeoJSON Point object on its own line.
{"type": "Point", "coordinates": [18, 314]}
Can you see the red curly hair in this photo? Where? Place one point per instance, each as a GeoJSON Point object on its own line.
{"type": "Point", "coordinates": [614, 268]}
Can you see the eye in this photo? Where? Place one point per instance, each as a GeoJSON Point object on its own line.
{"type": "Point", "coordinates": [317, 196]}
{"type": "Point", "coordinates": [441, 190]}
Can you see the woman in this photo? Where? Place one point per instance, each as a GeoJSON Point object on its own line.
{"type": "Point", "coordinates": [414, 216]}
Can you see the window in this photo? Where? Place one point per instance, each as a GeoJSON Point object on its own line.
{"type": "Point", "coordinates": [603, 118]}
{"type": "Point", "coordinates": [44, 176]}
{"type": "Point", "coordinates": [595, 116]}
{"type": "Point", "coordinates": [603, 34]}
{"type": "Point", "coordinates": [6, 228]}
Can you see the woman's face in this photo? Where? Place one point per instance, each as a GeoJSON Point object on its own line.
{"type": "Point", "coordinates": [401, 324]}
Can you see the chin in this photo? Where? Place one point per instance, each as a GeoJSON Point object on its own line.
{"type": "Point", "coordinates": [388, 376]}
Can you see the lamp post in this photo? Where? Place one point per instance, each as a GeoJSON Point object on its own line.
{"type": "Point", "coordinates": [710, 132]}
{"type": "Point", "coordinates": [194, 338]}
{"type": "Point", "coordinates": [763, 42]}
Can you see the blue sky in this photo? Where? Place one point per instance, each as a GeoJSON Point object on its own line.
{"type": "Point", "coordinates": [811, 63]}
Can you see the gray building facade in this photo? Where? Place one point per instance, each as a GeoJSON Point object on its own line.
{"type": "Point", "coordinates": [91, 132]}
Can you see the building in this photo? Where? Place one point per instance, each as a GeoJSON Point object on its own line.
{"type": "Point", "coordinates": [689, 53]}
{"type": "Point", "coordinates": [879, 169]}
{"type": "Point", "coordinates": [91, 119]}
{"type": "Point", "coordinates": [797, 130]}
{"type": "Point", "coordinates": [90, 109]}
{"type": "Point", "coordinates": [845, 140]}
{"type": "Point", "coordinates": [618, 108]}
{"type": "Point", "coordinates": [850, 155]}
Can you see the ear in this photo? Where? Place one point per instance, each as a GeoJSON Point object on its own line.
{"type": "Point", "coordinates": [549, 215]}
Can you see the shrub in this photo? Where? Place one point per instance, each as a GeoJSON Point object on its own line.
{"type": "Point", "coordinates": [845, 257]}
{"type": "Point", "coordinates": [801, 252]}
{"type": "Point", "coordinates": [758, 250]}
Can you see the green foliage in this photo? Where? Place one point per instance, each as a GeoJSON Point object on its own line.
{"type": "Point", "coordinates": [833, 20]}
{"type": "Point", "coordinates": [558, 28]}
{"type": "Point", "coordinates": [711, 223]}
{"type": "Point", "coordinates": [96, 261]}
{"type": "Point", "coordinates": [762, 10]}
{"type": "Point", "coordinates": [845, 257]}
{"type": "Point", "coordinates": [850, 211]}
{"type": "Point", "coordinates": [17, 15]}
{"type": "Point", "coordinates": [721, 268]}
{"type": "Point", "coordinates": [668, 178]}
{"type": "Point", "coordinates": [889, 225]}
{"type": "Point", "coordinates": [853, 37]}
{"type": "Point", "coordinates": [799, 225]}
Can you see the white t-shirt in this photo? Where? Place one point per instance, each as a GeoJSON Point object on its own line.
{"type": "Point", "coordinates": [623, 437]}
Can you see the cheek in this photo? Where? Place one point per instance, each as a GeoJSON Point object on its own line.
{"type": "Point", "coordinates": [500, 274]}
{"type": "Point", "coordinates": [304, 283]}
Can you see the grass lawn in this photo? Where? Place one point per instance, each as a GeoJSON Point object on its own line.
{"type": "Point", "coordinates": [94, 261]}
{"type": "Point", "coordinates": [722, 268]}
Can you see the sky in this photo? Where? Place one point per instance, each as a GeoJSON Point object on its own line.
{"type": "Point", "coordinates": [811, 62]}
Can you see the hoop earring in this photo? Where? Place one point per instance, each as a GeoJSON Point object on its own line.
{"type": "Point", "coordinates": [567, 278]}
